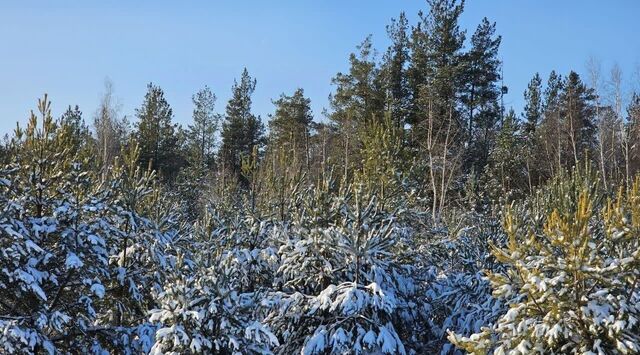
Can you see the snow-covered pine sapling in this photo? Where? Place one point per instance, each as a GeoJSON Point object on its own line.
{"type": "Point", "coordinates": [571, 286]}
{"type": "Point", "coordinates": [54, 259]}
{"type": "Point", "coordinates": [355, 256]}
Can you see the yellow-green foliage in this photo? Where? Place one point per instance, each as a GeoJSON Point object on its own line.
{"type": "Point", "coordinates": [571, 285]}
{"type": "Point", "coordinates": [45, 152]}
{"type": "Point", "coordinates": [382, 157]}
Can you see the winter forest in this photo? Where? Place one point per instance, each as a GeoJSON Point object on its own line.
{"type": "Point", "coordinates": [415, 215]}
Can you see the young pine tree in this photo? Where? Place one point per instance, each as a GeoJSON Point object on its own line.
{"type": "Point", "coordinates": [570, 277]}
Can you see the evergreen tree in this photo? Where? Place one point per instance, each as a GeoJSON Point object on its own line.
{"type": "Point", "coordinates": [241, 130]}
{"type": "Point", "coordinates": [201, 137]}
{"type": "Point", "coordinates": [156, 134]}
{"type": "Point", "coordinates": [481, 92]}
{"type": "Point", "coordinates": [358, 100]}
{"type": "Point", "coordinates": [435, 73]}
{"type": "Point", "coordinates": [570, 274]}
{"type": "Point", "coordinates": [73, 124]}
{"type": "Point", "coordinates": [81, 264]}
{"type": "Point", "coordinates": [417, 73]}
{"type": "Point", "coordinates": [482, 73]}
{"type": "Point", "coordinates": [72, 117]}
{"type": "Point", "coordinates": [633, 133]}
{"type": "Point", "coordinates": [438, 65]}
{"type": "Point", "coordinates": [551, 142]}
{"type": "Point", "coordinates": [394, 71]}
{"type": "Point", "coordinates": [358, 95]}
{"type": "Point", "coordinates": [506, 170]}
{"type": "Point", "coordinates": [577, 111]}
{"type": "Point", "coordinates": [290, 126]}
{"type": "Point", "coordinates": [533, 104]}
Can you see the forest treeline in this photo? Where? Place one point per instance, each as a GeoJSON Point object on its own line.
{"type": "Point", "coordinates": [420, 216]}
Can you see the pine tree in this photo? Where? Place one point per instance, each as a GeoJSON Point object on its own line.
{"type": "Point", "coordinates": [356, 307]}
{"type": "Point", "coordinates": [73, 124]}
{"type": "Point", "coordinates": [570, 276]}
{"type": "Point", "coordinates": [533, 149]}
{"type": "Point", "coordinates": [241, 130]}
{"type": "Point", "coordinates": [358, 100]}
{"type": "Point", "coordinates": [201, 138]}
{"type": "Point", "coordinates": [383, 159]}
{"type": "Point", "coordinates": [533, 104]}
{"type": "Point", "coordinates": [393, 71]}
{"type": "Point", "coordinates": [481, 92]}
{"type": "Point", "coordinates": [290, 126]}
{"type": "Point", "coordinates": [156, 134]}
{"type": "Point", "coordinates": [81, 265]}
{"type": "Point", "coordinates": [435, 72]}
{"type": "Point", "coordinates": [577, 111]}
{"type": "Point", "coordinates": [482, 73]}
{"type": "Point", "coordinates": [505, 170]}
{"type": "Point", "coordinates": [551, 140]}
{"type": "Point", "coordinates": [438, 68]}
{"type": "Point", "coordinates": [358, 95]}
{"type": "Point", "coordinates": [633, 133]}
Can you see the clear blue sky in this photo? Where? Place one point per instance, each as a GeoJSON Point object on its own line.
{"type": "Point", "coordinates": [67, 48]}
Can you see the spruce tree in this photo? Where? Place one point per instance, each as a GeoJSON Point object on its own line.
{"type": "Point", "coordinates": [156, 134]}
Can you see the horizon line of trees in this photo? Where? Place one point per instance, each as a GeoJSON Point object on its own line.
{"type": "Point", "coordinates": [434, 98]}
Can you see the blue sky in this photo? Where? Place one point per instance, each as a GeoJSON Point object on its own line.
{"type": "Point", "coordinates": [68, 48]}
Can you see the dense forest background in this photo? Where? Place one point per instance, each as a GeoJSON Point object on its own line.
{"type": "Point", "coordinates": [420, 216]}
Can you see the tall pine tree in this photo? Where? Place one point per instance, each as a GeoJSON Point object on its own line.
{"type": "Point", "coordinates": [156, 134]}
{"type": "Point", "coordinates": [290, 126]}
{"type": "Point", "coordinates": [394, 71]}
{"type": "Point", "coordinates": [201, 134]}
{"type": "Point", "coordinates": [481, 92]}
{"type": "Point", "coordinates": [551, 143]}
{"type": "Point", "coordinates": [533, 104]}
{"type": "Point", "coordinates": [578, 112]}
{"type": "Point", "coordinates": [358, 100]}
{"type": "Point", "coordinates": [241, 130]}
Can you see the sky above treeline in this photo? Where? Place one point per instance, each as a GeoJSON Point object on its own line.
{"type": "Point", "coordinates": [68, 48]}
